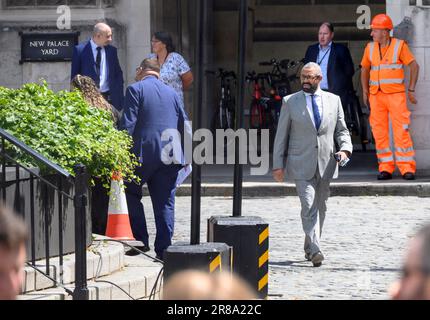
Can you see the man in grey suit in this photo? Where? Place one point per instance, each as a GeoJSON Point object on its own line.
{"type": "Point", "coordinates": [311, 121]}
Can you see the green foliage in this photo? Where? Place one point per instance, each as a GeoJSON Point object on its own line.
{"type": "Point", "coordinates": [66, 130]}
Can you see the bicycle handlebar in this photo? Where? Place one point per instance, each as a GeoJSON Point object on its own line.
{"type": "Point", "coordinates": [221, 73]}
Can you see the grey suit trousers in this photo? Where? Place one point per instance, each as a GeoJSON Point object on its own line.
{"type": "Point", "coordinates": [313, 196]}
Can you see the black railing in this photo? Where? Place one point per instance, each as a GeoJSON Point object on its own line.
{"type": "Point", "coordinates": [47, 196]}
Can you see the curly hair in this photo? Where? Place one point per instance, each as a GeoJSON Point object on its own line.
{"type": "Point", "coordinates": [91, 94]}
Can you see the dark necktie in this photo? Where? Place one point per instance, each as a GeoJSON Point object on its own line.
{"type": "Point", "coordinates": [317, 116]}
{"type": "Point", "coordinates": [98, 63]}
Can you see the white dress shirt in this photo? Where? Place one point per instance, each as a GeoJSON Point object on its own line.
{"type": "Point", "coordinates": [318, 99]}
{"type": "Point", "coordinates": [104, 85]}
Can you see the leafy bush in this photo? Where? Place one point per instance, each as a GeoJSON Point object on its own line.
{"type": "Point", "coordinates": [66, 130]}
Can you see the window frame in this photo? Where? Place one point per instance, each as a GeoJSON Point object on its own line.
{"type": "Point", "coordinates": [98, 5]}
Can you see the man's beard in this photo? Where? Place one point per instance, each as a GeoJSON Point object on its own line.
{"type": "Point", "coordinates": [312, 88]}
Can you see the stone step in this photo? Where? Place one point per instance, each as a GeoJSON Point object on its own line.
{"type": "Point", "coordinates": [397, 187]}
{"type": "Point", "coordinates": [103, 258]}
{"type": "Point", "coordinates": [137, 278]}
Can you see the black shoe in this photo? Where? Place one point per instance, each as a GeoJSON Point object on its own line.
{"type": "Point", "coordinates": [384, 175]}
{"type": "Point", "coordinates": [158, 259]}
{"type": "Point", "coordinates": [308, 256]}
{"type": "Point", "coordinates": [409, 176]}
{"type": "Point", "coordinates": [133, 252]}
{"type": "Point", "coordinates": [317, 259]}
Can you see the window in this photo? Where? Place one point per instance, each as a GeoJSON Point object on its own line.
{"type": "Point", "coordinates": [13, 4]}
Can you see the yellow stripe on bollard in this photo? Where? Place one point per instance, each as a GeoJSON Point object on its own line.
{"type": "Point", "coordinates": [263, 259]}
{"type": "Point", "coordinates": [215, 264]}
{"type": "Point", "coordinates": [264, 235]}
{"type": "Point", "coordinates": [263, 282]}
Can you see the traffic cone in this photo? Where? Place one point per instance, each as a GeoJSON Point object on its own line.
{"type": "Point", "coordinates": [118, 225]}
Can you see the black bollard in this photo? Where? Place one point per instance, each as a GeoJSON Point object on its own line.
{"type": "Point", "coordinates": [207, 257]}
{"type": "Point", "coordinates": [249, 237]}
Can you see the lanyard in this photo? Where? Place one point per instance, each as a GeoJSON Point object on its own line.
{"type": "Point", "coordinates": [322, 59]}
{"type": "Point", "coordinates": [380, 52]}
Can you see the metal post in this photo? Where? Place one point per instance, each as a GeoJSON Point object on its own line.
{"type": "Point", "coordinates": [238, 169]}
{"type": "Point", "coordinates": [3, 172]}
{"type": "Point", "coordinates": [179, 24]}
{"type": "Point", "coordinates": [197, 121]}
{"type": "Point", "coordinates": [81, 189]}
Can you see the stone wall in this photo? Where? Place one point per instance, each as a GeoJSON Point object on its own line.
{"type": "Point", "coordinates": [419, 41]}
{"type": "Point", "coordinates": [129, 19]}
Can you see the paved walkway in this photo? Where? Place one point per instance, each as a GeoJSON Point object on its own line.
{"type": "Point", "coordinates": [364, 239]}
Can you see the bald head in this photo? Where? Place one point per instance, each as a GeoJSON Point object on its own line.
{"type": "Point", "coordinates": [314, 67]}
{"type": "Point", "coordinates": [199, 285]}
{"type": "Point", "coordinates": [102, 34]}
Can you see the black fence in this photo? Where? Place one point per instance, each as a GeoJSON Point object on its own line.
{"type": "Point", "coordinates": [54, 205]}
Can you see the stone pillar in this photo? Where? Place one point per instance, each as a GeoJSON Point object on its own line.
{"type": "Point", "coordinates": [135, 17]}
{"type": "Point", "coordinates": [415, 20]}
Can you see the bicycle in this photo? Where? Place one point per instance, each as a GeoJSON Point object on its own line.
{"type": "Point", "coordinates": [260, 116]}
{"type": "Point", "coordinates": [356, 120]}
{"type": "Point", "coordinates": [225, 114]}
{"type": "Point", "coordinates": [280, 83]}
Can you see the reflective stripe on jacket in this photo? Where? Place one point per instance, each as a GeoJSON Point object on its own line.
{"type": "Point", "coordinates": [387, 75]}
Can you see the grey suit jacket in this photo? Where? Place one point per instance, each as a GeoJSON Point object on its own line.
{"type": "Point", "coordinates": [300, 148]}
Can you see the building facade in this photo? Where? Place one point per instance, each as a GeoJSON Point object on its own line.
{"type": "Point", "coordinates": [276, 29]}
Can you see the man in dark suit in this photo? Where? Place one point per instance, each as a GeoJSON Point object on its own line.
{"type": "Point", "coordinates": [335, 62]}
{"type": "Point", "coordinates": [154, 117]}
{"type": "Point", "coordinates": [97, 59]}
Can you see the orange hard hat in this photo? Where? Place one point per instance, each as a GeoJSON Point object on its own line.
{"type": "Point", "coordinates": [382, 21]}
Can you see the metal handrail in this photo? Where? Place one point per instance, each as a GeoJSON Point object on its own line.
{"type": "Point", "coordinates": [80, 202]}
{"type": "Point", "coordinates": [4, 134]}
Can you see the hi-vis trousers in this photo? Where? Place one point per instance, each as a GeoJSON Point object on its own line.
{"type": "Point", "coordinates": [393, 105]}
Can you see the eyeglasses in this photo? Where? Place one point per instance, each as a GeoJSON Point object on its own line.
{"type": "Point", "coordinates": [309, 77]}
{"type": "Point", "coordinates": [155, 41]}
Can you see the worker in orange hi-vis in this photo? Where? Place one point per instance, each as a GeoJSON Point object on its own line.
{"type": "Point", "coordinates": [383, 83]}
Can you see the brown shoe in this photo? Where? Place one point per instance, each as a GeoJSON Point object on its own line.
{"type": "Point", "coordinates": [317, 259]}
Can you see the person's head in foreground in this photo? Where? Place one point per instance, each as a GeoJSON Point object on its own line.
{"type": "Point", "coordinates": [415, 280]}
{"type": "Point", "coordinates": [13, 235]}
{"type": "Point", "coordinates": [199, 285]}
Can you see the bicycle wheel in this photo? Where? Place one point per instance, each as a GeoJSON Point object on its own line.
{"type": "Point", "coordinates": [256, 116]}
{"type": "Point", "coordinates": [216, 120]}
{"type": "Point", "coordinates": [224, 122]}
{"type": "Point", "coordinates": [364, 134]}
{"type": "Point", "coordinates": [230, 115]}
{"type": "Point", "coordinates": [352, 117]}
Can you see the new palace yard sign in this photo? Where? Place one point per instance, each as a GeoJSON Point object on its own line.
{"type": "Point", "coordinates": [48, 47]}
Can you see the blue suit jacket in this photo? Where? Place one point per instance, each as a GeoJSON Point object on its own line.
{"type": "Point", "coordinates": [340, 67]}
{"type": "Point", "coordinates": [83, 63]}
{"type": "Point", "coordinates": [150, 108]}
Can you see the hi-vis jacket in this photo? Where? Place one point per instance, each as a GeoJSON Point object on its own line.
{"type": "Point", "coordinates": [387, 71]}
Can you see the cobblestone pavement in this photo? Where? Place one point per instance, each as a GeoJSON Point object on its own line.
{"type": "Point", "coordinates": [364, 240]}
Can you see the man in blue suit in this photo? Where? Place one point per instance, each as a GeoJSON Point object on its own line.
{"type": "Point", "coordinates": [154, 117]}
{"type": "Point", "coordinates": [97, 59]}
{"type": "Point", "coordinates": [335, 62]}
